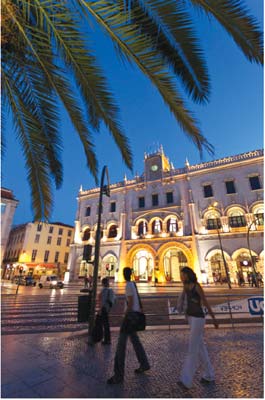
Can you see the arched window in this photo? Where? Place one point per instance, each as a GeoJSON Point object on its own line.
{"type": "Point", "coordinates": [87, 234]}
{"type": "Point", "coordinates": [236, 219]}
{"type": "Point", "coordinates": [174, 261]}
{"type": "Point", "coordinates": [143, 265]}
{"type": "Point", "coordinates": [112, 231]}
{"type": "Point", "coordinates": [109, 266]}
{"type": "Point", "coordinates": [259, 215]}
{"type": "Point", "coordinates": [142, 228]}
{"type": "Point", "coordinates": [172, 225]}
{"type": "Point", "coordinates": [213, 221]}
{"type": "Point", "coordinates": [156, 226]}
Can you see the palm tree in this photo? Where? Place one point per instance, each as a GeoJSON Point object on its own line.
{"type": "Point", "coordinates": [47, 59]}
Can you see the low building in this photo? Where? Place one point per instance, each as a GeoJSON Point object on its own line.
{"type": "Point", "coordinates": [40, 248]}
{"type": "Point", "coordinates": [168, 218]}
{"type": "Point", "coordinates": [8, 208]}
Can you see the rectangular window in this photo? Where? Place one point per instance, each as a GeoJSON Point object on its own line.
{"type": "Point", "coordinates": [3, 208]}
{"type": "Point", "coordinates": [39, 227]}
{"type": "Point", "coordinates": [56, 258]}
{"type": "Point", "coordinates": [49, 240]}
{"type": "Point", "coordinates": [154, 199]}
{"type": "Point", "coordinates": [213, 223]}
{"type": "Point", "coordinates": [59, 241]}
{"type": "Point", "coordinates": [208, 191]}
{"type": "Point", "coordinates": [60, 231]}
{"type": "Point", "coordinates": [113, 206]}
{"type": "Point", "coordinates": [66, 258]}
{"type": "Point", "coordinates": [141, 202]}
{"type": "Point", "coordinates": [254, 182]}
{"type": "Point", "coordinates": [237, 221]}
{"type": "Point", "coordinates": [230, 187]}
{"type": "Point", "coordinates": [51, 229]}
{"type": "Point", "coordinates": [69, 233]}
{"type": "Point", "coordinates": [33, 255]}
{"type": "Point", "coordinates": [46, 256]}
{"type": "Point", "coordinates": [37, 239]}
{"type": "Point", "coordinates": [88, 211]}
{"type": "Point", "coordinates": [68, 242]}
{"type": "Point", "coordinates": [169, 197]}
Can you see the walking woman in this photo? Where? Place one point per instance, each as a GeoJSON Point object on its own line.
{"type": "Point", "coordinates": [193, 298]}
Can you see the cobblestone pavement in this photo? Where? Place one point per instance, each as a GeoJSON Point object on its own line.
{"type": "Point", "coordinates": [63, 365]}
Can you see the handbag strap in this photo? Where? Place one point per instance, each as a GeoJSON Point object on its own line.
{"type": "Point", "coordinates": [139, 299]}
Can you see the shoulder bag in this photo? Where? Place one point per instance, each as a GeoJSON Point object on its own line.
{"type": "Point", "coordinates": [134, 321]}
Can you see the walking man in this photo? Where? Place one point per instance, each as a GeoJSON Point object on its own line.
{"type": "Point", "coordinates": [106, 300]}
{"type": "Point", "coordinates": [132, 304]}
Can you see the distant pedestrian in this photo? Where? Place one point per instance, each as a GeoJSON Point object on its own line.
{"type": "Point", "coordinates": [193, 297]}
{"type": "Point", "coordinates": [253, 279]}
{"type": "Point", "coordinates": [132, 305]}
{"type": "Point", "coordinates": [106, 300]}
{"type": "Point", "coordinates": [86, 280]}
{"type": "Point", "coordinates": [259, 279]}
{"type": "Point", "coordinates": [249, 278]}
{"type": "Point", "coordinates": [90, 281]}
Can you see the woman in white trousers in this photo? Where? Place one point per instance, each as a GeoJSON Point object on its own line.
{"type": "Point", "coordinates": [193, 298]}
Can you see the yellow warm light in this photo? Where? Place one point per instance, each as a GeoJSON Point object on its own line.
{"type": "Point", "coordinates": [24, 257]}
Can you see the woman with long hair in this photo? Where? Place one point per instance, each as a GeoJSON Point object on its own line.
{"type": "Point", "coordinates": [193, 297]}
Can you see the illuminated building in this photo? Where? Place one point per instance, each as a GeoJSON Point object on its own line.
{"type": "Point", "coordinates": [40, 248]}
{"type": "Point", "coordinates": [168, 218]}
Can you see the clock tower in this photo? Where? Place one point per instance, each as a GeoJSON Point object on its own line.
{"type": "Point", "coordinates": [155, 165]}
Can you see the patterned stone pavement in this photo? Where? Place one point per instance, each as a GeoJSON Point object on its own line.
{"type": "Point", "coordinates": [63, 365]}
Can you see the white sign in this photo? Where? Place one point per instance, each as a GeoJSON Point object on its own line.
{"type": "Point", "coordinates": [246, 308]}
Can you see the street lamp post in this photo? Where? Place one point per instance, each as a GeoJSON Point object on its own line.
{"type": "Point", "coordinates": [252, 258]}
{"type": "Point", "coordinates": [213, 206]}
{"type": "Point", "coordinates": [104, 189]}
{"type": "Point", "coordinates": [224, 260]}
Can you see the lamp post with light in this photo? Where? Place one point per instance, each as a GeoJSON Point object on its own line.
{"type": "Point", "coordinates": [252, 258]}
{"type": "Point", "coordinates": [104, 189]}
{"type": "Point", "coordinates": [214, 205]}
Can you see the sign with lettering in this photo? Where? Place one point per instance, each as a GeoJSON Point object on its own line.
{"type": "Point", "coordinates": [246, 308]}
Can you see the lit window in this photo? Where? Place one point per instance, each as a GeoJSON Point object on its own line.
{"type": "Point", "coordinates": [142, 228]}
{"type": "Point", "coordinates": [172, 225]}
{"type": "Point", "coordinates": [156, 226]}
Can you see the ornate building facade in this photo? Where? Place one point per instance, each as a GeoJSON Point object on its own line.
{"type": "Point", "coordinates": [168, 218]}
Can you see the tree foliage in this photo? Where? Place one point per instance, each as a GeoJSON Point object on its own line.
{"type": "Point", "coordinates": [47, 58]}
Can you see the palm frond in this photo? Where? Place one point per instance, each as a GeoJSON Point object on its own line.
{"type": "Point", "coordinates": [35, 158]}
{"type": "Point", "coordinates": [237, 21]}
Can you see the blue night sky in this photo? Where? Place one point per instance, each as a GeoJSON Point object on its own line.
{"type": "Point", "coordinates": [232, 121]}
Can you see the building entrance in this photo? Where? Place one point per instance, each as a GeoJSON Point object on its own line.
{"type": "Point", "coordinates": [143, 266]}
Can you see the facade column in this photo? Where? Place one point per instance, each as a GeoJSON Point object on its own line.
{"type": "Point", "coordinates": [195, 246]}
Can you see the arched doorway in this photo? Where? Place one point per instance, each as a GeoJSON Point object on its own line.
{"type": "Point", "coordinates": [217, 267]}
{"type": "Point", "coordinates": [174, 260]}
{"type": "Point", "coordinates": [143, 265]}
{"type": "Point", "coordinates": [108, 266]}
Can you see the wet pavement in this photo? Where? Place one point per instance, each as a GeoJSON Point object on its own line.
{"type": "Point", "coordinates": [63, 365]}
